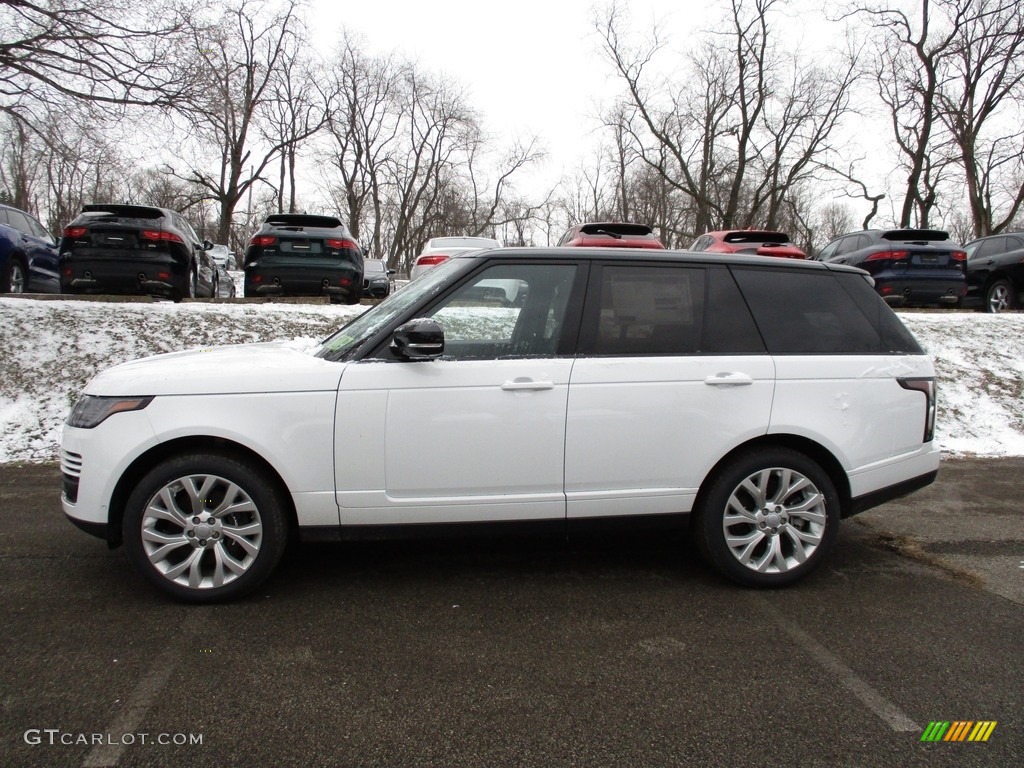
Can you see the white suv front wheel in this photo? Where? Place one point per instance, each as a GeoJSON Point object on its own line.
{"type": "Point", "coordinates": [768, 518]}
{"type": "Point", "coordinates": [205, 527]}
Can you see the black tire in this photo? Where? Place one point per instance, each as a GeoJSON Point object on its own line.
{"type": "Point", "coordinates": [353, 298]}
{"type": "Point", "coordinates": [190, 287]}
{"type": "Point", "coordinates": [188, 544]}
{"type": "Point", "coordinates": [769, 542]}
{"type": "Point", "coordinates": [15, 276]}
{"type": "Point", "coordinates": [1000, 296]}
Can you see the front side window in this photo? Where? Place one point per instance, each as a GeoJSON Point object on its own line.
{"type": "Point", "coordinates": [506, 310]}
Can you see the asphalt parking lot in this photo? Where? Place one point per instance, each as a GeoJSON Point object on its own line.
{"type": "Point", "coordinates": [604, 652]}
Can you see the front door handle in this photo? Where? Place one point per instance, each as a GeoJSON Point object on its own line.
{"type": "Point", "coordinates": [526, 385]}
{"type": "Point", "coordinates": [729, 380]}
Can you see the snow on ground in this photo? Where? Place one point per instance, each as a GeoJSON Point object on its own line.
{"type": "Point", "coordinates": [52, 348]}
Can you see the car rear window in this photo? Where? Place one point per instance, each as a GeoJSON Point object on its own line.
{"type": "Point", "coordinates": [821, 313]}
{"type": "Point", "coordinates": [127, 212]}
{"type": "Point", "coordinates": [303, 220]}
{"type": "Point", "coordinates": [753, 236]}
{"type": "Point", "coordinates": [630, 230]}
{"type": "Point", "coordinates": [915, 235]}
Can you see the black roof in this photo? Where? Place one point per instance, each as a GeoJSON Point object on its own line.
{"type": "Point", "coordinates": [649, 255]}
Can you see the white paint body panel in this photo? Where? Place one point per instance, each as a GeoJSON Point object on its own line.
{"type": "Point", "coordinates": [451, 441]}
{"type": "Point", "coordinates": [274, 400]}
{"type": "Point", "coordinates": [643, 433]}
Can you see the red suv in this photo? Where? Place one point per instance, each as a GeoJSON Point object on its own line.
{"type": "Point", "coordinates": [610, 234]}
{"type": "Point", "coordinates": [749, 241]}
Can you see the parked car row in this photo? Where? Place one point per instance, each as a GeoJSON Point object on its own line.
{"type": "Point", "coordinates": [150, 250]}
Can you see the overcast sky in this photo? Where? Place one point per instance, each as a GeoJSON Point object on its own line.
{"type": "Point", "coordinates": [534, 66]}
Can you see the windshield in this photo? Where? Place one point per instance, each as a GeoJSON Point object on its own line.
{"type": "Point", "coordinates": [347, 339]}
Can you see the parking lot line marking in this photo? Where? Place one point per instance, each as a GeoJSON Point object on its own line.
{"type": "Point", "coordinates": [888, 712]}
{"type": "Point", "coordinates": [141, 699]}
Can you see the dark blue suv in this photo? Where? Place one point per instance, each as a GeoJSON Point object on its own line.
{"type": "Point", "coordinates": [910, 267]}
{"type": "Point", "coordinates": [28, 254]}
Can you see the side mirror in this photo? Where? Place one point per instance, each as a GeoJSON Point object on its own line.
{"type": "Point", "coordinates": [392, 272]}
{"type": "Point", "coordinates": [419, 339]}
{"type": "Point", "coordinates": [207, 245]}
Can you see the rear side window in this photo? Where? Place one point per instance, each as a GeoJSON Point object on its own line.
{"type": "Point", "coordinates": [647, 310]}
{"type": "Point", "coordinates": [820, 313]}
{"type": "Point", "coordinates": [668, 310]}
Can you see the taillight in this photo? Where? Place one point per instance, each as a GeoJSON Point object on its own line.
{"type": "Point", "coordinates": [430, 261]}
{"type": "Point", "coordinates": [345, 282]}
{"type": "Point", "coordinates": [889, 256]}
{"type": "Point", "coordinates": [263, 240]}
{"type": "Point", "coordinates": [157, 235]}
{"type": "Point", "coordinates": [339, 244]}
{"type": "Point", "coordinates": [927, 386]}
{"type": "Point", "coordinates": [74, 231]}
{"type": "Point", "coordinates": [959, 259]}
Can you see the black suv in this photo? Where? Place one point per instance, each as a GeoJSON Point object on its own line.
{"type": "Point", "coordinates": [995, 271]}
{"type": "Point", "coordinates": [135, 249]}
{"type": "Point", "coordinates": [909, 266]}
{"type": "Point", "coordinates": [301, 255]}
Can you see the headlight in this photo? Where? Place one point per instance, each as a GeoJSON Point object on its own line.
{"type": "Point", "coordinates": [91, 410]}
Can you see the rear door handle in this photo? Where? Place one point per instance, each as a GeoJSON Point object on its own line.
{"type": "Point", "coordinates": [729, 380]}
{"type": "Point", "coordinates": [526, 385]}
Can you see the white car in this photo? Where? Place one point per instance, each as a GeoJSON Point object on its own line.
{"type": "Point", "coordinates": [223, 257]}
{"type": "Point", "coordinates": [440, 249]}
{"type": "Point", "coordinates": [756, 400]}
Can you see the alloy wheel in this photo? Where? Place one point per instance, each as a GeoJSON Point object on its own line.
{"type": "Point", "coordinates": [774, 520]}
{"type": "Point", "coordinates": [201, 531]}
{"type": "Point", "coordinates": [999, 299]}
{"type": "Point", "coordinates": [16, 277]}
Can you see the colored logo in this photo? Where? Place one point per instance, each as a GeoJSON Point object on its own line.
{"type": "Point", "coordinates": [959, 730]}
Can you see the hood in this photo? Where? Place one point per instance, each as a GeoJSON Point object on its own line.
{"type": "Point", "coordinates": [240, 368]}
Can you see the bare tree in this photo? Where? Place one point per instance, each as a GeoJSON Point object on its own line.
{"type": "Point", "coordinates": [297, 110]}
{"type": "Point", "coordinates": [113, 52]}
{"type": "Point", "coordinates": [20, 160]}
{"type": "Point", "coordinates": [741, 123]}
{"type": "Point", "coordinates": [364, 122]}
{"type": "Point", "coordinates": [911, 57]}
{"type": "Point", "coordinates": [979, 100]}
{"type": "Point", "coordinates": [81, 166]}
{"type": "Point", "coordinates": [244, 57]}
{"type": "Point", "coordinates": [413, 160]}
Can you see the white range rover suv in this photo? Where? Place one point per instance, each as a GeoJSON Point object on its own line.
{"type": "Point", "coordinates": [756, 400]}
